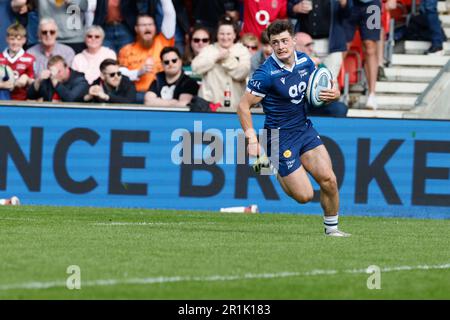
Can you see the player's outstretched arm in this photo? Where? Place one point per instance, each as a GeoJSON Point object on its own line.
{"type": "Point", "coordinates": [245, 117]}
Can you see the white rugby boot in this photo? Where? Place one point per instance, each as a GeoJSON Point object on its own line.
{"type": "Point", "coordinates": [336, 233]}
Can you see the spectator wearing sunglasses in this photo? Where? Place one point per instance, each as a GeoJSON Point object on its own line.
{"type": "Point", "coordinates": [89, 60]}
{"type": "Point", "coordinates": [224, 66]}
{"type": "Point", "coordinates": [171, 88]}
{"type": "Point", "coordinates": [48, 46]}
{"type": "Point", "coordinates": [251, 42]}
{"type": "Point", "coordinates": [112, 86]}
{"type": "Point", "coordinates": [200, 38]}
{"type": "Point", "coordinates": [201, 41]}
{"type": "Point", "coordinates": [58, 83]}
{"type": "Point", "coordinates": [69, 16]}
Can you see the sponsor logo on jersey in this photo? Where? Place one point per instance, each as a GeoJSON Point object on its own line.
{"type": "Point", "coordinates": [287, 153]}
{"type": "Point", "coordinates": [303, 72]}
{"type": "Point", "coordinates": [290, 163]}
{"type": "Point", "coordinates": [301, 61]}
{"type": "Point", "coordinates": [283, 80]}
{"type": "Point", "coordinates": [25, 59]}
{"type": "Point", "coordinates": [275, 72]}
{"type": "Point", "coordinates": [262, 17]}
{"type": "Point", "coordinates": [256, 84]}
{"type": "Point", "coordinates": [297, 91]}
{"type": "Point", "coordinates": [21, 66]}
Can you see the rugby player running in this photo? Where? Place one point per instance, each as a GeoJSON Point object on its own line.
{"type": "Point", "coordinates": [280, 85]}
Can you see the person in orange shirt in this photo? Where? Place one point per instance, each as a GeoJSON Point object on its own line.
{"type": "Point", "coordinates": [141, 58]}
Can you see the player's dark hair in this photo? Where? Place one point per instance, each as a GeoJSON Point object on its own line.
{"type": "Point", "coordinates": [279, 26]}
{"type": "Point", "coordinates": [264, 37]}
{"type": "Point", "coordinates": [166, 50]}
{"type": "Point", "coordinates": [227, 20]}
{"type": "Point", "coordinates": [108, 62]}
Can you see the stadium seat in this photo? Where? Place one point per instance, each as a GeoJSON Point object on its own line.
{"type": "Point", "coordinates": [388, 22]}
{"type": "Point", "coordinates": [352, 66]}
{"type": "Point", "coordinates": [356, 44]}
{"type": "Point", "coordinates": [353, 62]}
{"type": "Point", "coordinates": [403, 12]}
{"type": "Point", "coordinates": [385, 18]}
{"type": "Point", "coordinates": [352, 69]}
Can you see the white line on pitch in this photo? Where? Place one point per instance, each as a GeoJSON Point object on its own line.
{"type": "Point", "coordinates": [18, 219]}
{"type": "Point", "coordinates": [247, 276]}
{"type": "Point", "coordinates": [146, 223]}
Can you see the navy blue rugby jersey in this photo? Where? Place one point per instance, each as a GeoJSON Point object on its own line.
{"type": "Point", "coordinates": [283, 91]}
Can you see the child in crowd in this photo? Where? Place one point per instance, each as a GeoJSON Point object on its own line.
{"type": "Point", "coordinates": [20, 62]}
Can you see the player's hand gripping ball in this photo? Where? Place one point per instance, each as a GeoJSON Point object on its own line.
{"type": "Point", "coordinates": [320, 79]}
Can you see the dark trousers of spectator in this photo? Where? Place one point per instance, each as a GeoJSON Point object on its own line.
{"type": "Point", "coordinates": [32, 29]}
{"type": "Point", "coordinates": [179, 39]}
{"type": "Point", "coordinates": [140, 97]}
{"type": "Point", "coordinates": [77, 47]}
{"type": "Point", "coordinates": [117, 36]}
{"type": "Point", "coordinates": [334, 109]}
{"type": "Point", "coordinates": [429, 9]}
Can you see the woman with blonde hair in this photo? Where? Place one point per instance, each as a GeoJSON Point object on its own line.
{"type": "Point", "coordinates": [88, 61]}
{"type": "Point", "coordinates": [251, 42]}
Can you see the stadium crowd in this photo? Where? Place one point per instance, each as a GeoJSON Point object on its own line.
{"type": "Point", "coordinates": [166, 52]}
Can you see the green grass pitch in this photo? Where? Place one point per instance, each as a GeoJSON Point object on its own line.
{"type": "Point", "coordinates": [157, 254]}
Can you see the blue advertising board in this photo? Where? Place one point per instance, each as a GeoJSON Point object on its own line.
{"type": "Point", "coordinates": [125, 158]}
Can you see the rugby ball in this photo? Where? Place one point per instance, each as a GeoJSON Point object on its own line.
{"type": "Point", "coordinates": [6, 73]}
{"type": "Point", "coordinates": [320, 79]}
